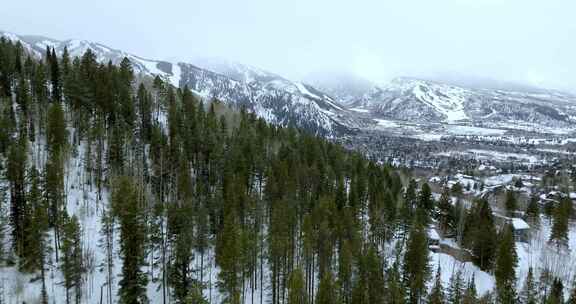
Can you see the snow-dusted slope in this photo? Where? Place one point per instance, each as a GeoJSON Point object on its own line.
{"type": "Point", "coordinates": [285, 102]}
{"type": "Point", "coordinates": [36, 46]}
{"type": "Point", "coordinates": [410, 98]}
{"type": "Point", "coordinates": [414, 100]}
{"type": "Point", "coordinates": [270, 96]}
{"type": "Point", "coordinates": [277, 100]}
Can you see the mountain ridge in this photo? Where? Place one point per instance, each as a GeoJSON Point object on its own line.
{"type": "Point", "coordinates": [333, 112]}
{"type": "Point", "coordinates": [277, 100]}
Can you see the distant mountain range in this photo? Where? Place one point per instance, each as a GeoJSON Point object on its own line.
{"type": "Point", "coordinates": [408, 99]}
{"type": "Point", "coordinates": [270, 96]}
{"type": "Point", "coordinates": [337, 104]}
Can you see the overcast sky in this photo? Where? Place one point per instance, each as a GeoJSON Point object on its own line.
{"type": "Point", "coordinates": [529, 41]}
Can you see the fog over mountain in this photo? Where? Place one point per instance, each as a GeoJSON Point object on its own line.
{"type": "Point", "coordinates": [529, 42]}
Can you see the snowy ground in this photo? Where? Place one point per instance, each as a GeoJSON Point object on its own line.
{"type": "Point", "coordinates": [82, 201]}
{"type": "Point", "coordinates": [538, 254]}
{"type": "Point", "coordinates": [450, 266]}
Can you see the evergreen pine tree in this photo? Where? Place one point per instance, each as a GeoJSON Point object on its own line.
{"type": "Point", "coordinates": [195, 296]}
{"type": "Point", "coordinates": [55, 77]}
{"type": "Point", "coordinates": [456, 288]}
{"type": "Point", "coordinates": [445, 214]}
{"type": "Point", "coordinates": [65, 62]}
{"type": "Point", "coordinates": [56, 133]}
{"type": "Point", "coordinates": [437, 293]}
{"type": "Point", "coordinates": [71, 266]}
{"type": "Point", "coordinates": [425, 200]}
{"type": "Point", "coordinates": [480, 234]}
{"type": "Point", "coordinates": [533, 212]}
{"type": "Point", "coordinates": [506, 262]}
{"type": "Point", "coordinates": [127, 207]}
{"type": "Point", "coordinates": [556, 293]}
{"type": "Point", "coordinates": [326, 291]}
{"type": "Point", "coordinates": [125, 79]}
{"type": "Point", "coordinates": [296, 288]}
{"type": "Point", "coordinates": [394, 287]}
{"type": "Point", "coordinates": [559, 233]}
{"type": "Point", "coordinates": [107, 245]}
{"type": "Point", "coordinates": [470, 295]}
{"type": "Point", "coordinates": [510, 202]}
{"type": "Point", "coordinates": [181, 235]}
{"type": "Point", "coordinates": [369, 285]}
{"type": "Point", "coordinates": [572, 298]}
{"type": "Point", "coordinates": [376, 292]}
{"type": "Point", "coordinates": [227, 257]}
{"type": "Point", "coordinates": [416, 269]}
{"type": "Point", "coordinates": [36, 224]}
{"type": "Point", "coordinates": [424, 205]}
{"type": "Point", "coordinates": [457, 189]}
{"type": "Point", "coordinates": [544, 284]}
{"type": "Point", "coordinates": [529, 293]}
{"type": "Point", "coordinates": [16, 175]}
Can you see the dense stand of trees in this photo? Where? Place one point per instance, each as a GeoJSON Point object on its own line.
{"type": "Point", "coordinates": [287, 217]}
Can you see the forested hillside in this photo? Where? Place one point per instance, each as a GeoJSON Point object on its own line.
{"type": "Point", "coordinates": [123, 189]}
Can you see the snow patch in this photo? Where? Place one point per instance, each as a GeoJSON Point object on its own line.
{"type": "Point", "coordinates": [359, 110]}
{"type": "Point", "coordinates": [386, 123]}
{"type": "Point", "coordinates": [176, 75]}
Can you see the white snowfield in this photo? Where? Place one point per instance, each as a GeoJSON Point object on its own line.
{"type": "Point", "coordinates": [470, 112]}
{"type": "Point", "coordinates": [450, 104]}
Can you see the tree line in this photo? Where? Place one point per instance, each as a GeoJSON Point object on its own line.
{"type": "Point", "coordinates": [286, 217]}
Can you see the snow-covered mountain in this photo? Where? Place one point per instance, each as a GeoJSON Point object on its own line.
{"type": "Point", "coordinates": [270, 96]}
{"type": "Point", "coordinates": [275, 99]}
{"type": "Point", "coordinates": [36, 46]}
{"type": "Point", "coordinates": [345, 103]}
{"type": "Point", "coordinates": [408, 99]}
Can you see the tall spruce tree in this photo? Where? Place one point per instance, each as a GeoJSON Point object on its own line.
{"type": "Point", "coordinates": [326, 291]}
{"type": "Point", "coordinates": [480, 234]}
{"type": "Point", "coordinates": [557, 293]}
{"type": "Point", "coordinates": [506, 262]}
{"type": "Point", "coordinates": [127, 206]}
{"type": "Point", "coordinates": [456, 288]}
{"type": "Point", "coordinates": [445, 214]}
{"type": "Point", "coordinates": [36, 224]}
{"type": "Point", "coordinates": [182, 239]}
{"type": "Point", "coordinates": [510, 202]}
{"type": "Point", "coordinates": [71, 263]}
{"type": "Point", "coordinates": [533, 211]}
{"type": "Point", "coordinates": [227, 257]}
{"type": "Point", "coordinates": [55, 77]}
{"type": "Point", "coordinates": [16, 175]}
{"type": "Point", "coordinates": [572, 298]}
{"type": "Point", "coordinates": [395, 292]}
{"type": "Point", "coordinates": [559, 233]}
{"type": "Point", "coordinates": [470, 295]}
{"type": "Point", "coordinates": [529, 293]}
{"type": "Point", "coordinates": [437, 293]}
{"type": "Point", "coordinates": [416, 267]}
{"type": "Point", "coordinates": [296, 288]}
